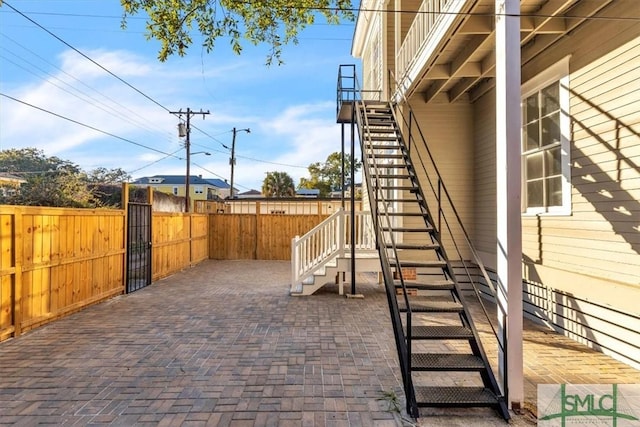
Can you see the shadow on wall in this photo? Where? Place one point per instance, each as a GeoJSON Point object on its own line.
{"type": "Point", "coordinates": [601, 184]}
{"type": "Point", "coordinates": [558, 311]}
{"type": "Point", "coordinates": [604, 191]}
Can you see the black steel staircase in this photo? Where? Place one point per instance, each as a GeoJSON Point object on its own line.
{"type": "Point", "coordinates": [441, 356]}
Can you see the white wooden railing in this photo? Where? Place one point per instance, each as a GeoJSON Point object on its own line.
{"type": "Point", "coordinates": [428, 16]}
{"type": "Point", "coordinates": [328, 240]}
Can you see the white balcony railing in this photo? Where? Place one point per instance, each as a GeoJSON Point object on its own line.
{"type": "Point", "coordinates": [429, 15]}
{"type": "Point", "coordinates": [328, 240]}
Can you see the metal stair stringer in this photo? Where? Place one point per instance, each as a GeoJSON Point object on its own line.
{"type": "Point", "coordinates": [432, 322]}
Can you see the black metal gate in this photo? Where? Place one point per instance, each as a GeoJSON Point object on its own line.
{"type": "Point", "coordinates": [139, 247]}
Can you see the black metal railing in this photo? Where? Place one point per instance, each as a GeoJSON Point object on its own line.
{"type": "Point", "coordinates": [448, 223]}
{"type": "Point", "coordinates": [452, 224]}
{"type": "Point", "coordinates": [382, 220]}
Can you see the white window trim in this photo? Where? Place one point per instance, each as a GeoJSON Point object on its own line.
{"type": "Point", "coordinates": [557, 72]}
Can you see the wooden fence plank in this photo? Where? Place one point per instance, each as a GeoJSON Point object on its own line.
{"type": "Point", "coordinates": [56, 261]}
{"type": "Point", "coordinates": [254, 236]}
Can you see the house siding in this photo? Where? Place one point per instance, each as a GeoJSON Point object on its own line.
{"type": "Point", "coordinates": [453, 150]}
{"type": "Point", "coordinates": [374, 57]}
{"type": "Point", "coordinates": [600, 238]}
{"type": "Point", "coordinates": [484, 178]}
{"type": "Point", "coordinates": [582, 271]}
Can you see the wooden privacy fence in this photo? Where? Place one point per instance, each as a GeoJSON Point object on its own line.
{"type": "Point", "coordinates": [54, 261]}
{"type": "Point", "coordinates": [178, 240]}
{"type": "Point", "coordinates": [288, 206]}
{"type": "Point", "coordinates": [255, 236]}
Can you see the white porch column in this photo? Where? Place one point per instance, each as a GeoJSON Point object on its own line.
{"type": "Point", "coordinates": [508, 177]}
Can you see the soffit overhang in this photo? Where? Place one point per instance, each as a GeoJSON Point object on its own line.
{"type": "Point", "coordinates": [461, 63]}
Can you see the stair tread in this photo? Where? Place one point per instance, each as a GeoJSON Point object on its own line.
{"type": "Point", "coordinates": [418, 264]}
{"type": "Point", "coordinates": [390, 166]}
{"type": "Point", "coordinates": [402, 200]}
{"type": "Point", "coordinates": [380, 138]}
{"type": "Point", "coordinates": [454, 396]}
{"type": "Point", "coordinates": [380, 121]}
{"type": "Point", "coordinates": [431, 286]}
{"type": "Point", "coordinates": [387, 130]}
{"type": "Point", "coordinates": [382, 147]}
{"type": "Point", "coordinates": [380, 114]}
{"type": "Point", "coordinates": [441, 332]}
{"type": "Point", "coordinates": [391, 175]}
{"type": "Point", "coordinates": [398, 187]}
{"type": "Point", "coordinates": [386, 156]}
{"type": "Point", "coordinates": [422, 305]}
{"type": "Point", "coordinates": [407, 214]}
{"type": "Point", "coordinates": [446, 362]}
{"type": "Point", "coordinates": [415, 246]}
{"type": "Point", "coordinates": [408, 229]}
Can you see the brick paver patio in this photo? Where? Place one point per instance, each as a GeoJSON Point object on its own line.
{"type": "Point", "coordinates": [223, 344]}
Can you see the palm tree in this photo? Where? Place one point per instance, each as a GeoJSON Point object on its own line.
{"type": "Point", "coordinates": [278, 184]}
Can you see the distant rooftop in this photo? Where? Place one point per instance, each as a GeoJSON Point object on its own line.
{"type": "Point", "coordinates": [305, 192]}
{"type": "Point", "coordinates": [179, 180]}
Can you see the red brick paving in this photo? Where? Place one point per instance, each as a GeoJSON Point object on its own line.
{"type": "Point", "coordinates": [223, 344]}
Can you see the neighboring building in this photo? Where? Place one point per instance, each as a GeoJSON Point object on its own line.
{"type": "Point", "coordinates": [251, 194]}
{"type": "Point", "coordinates": [347, 192]}
{"type": "Point", "coordinates": [579, 92]}
{"type": "Point", "coordinates": [223, 188]}
{"type": "Point", "coordinates": [9, 184]}
{"type": "Point", "coordinates": [309, 193]}
{"type": "Point", "coordinates": [199, 188]}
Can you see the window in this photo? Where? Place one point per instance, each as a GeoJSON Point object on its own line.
{"type": "Point", "coordinates": [545, 148]}
{"type": "Point", "coordinates": [175, 191]}
{"type": "Point", "coordinates": [198, 190]}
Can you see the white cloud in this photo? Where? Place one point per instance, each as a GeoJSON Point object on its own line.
{"type": "Point", "coordinates": [286, 126]}
{"type": "Point", "coordinates": [120, 62]}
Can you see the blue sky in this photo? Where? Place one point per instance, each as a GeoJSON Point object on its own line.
{"type": "Point", "coordinates": [290, 109]}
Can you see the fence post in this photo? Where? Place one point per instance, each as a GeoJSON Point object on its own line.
{"type": "Point", "coordinates": [17, 280]}
{"type": "Point", "coordinates": [125, 230]}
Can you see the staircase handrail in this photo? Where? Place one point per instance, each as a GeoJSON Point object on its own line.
{"type": "Point", "coordinates": [355, 96]}
{"type": "Point", "coordinates": [438, 194]}
{"type": "Point", "coordinates": [327, 240]}
{"type": "Point", "coordinates": [316, 247]}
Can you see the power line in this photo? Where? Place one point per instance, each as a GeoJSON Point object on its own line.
{"type": "Point", "coordinates": [83, 124]}
{"type": "Point", "coordinates": [97, 103]}
{"type": "Point", "coordinates": [103, 67]}
{"type": "Point", "coordinates": [251, 158]}
{"type": "Point", "coordinates": [125, 117]}
{"type": "Point", "coordinates": [156, 161]}
{"type": "Point", "coordinates": [211, 172]}
{"type": "Point", "coordinates": [485, 14]}
{"type": "Point", "coordinates": [86, 56]}
{"type": "Point", "coordinates": [123, 81]}
{"type": "Point", "coordinates": [119, 17]}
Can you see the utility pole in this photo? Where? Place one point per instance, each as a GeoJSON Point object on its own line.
{"type": "Point", "coordinates": [184, 133]}
{"type": "Point", "coordinates": [232, 160]}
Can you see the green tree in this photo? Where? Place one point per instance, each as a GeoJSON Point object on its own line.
{"type": "Point", "coordinates": [273, 22]}
{"type": "Point", "coordinates": [327, 176]}
{"type": "Point", "coordinates": [28, 161]}
{"type": "Point", "coordinates": [108, 176]}
{"type": "Point", "coordinates": [51, 181]}
{"type": "Point", "coordinates": [278, 184]}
